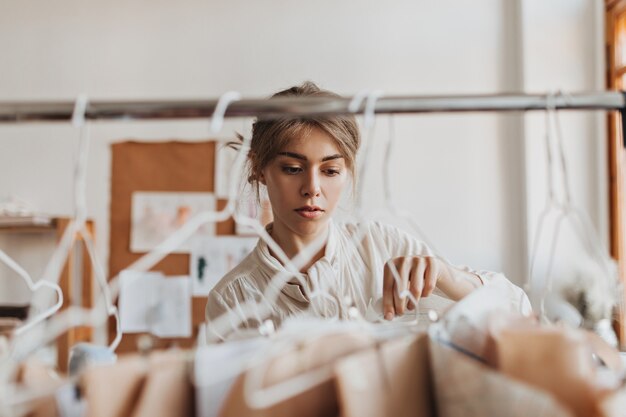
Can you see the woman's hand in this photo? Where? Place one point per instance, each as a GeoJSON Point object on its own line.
{"type": "Point", "coordinates": [420, 275]}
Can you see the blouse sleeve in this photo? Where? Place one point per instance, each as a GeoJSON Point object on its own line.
{"type": "Point", "coordinates": [225, 313]}
{"type": "Point", "coordinates": [401, 243]}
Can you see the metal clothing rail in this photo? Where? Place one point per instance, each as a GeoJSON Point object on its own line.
{"type": "Point", "coordinates": [25, 111]}
{"type": "Point", "coordinates": [42, 111]}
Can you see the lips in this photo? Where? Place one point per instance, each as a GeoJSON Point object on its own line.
{"type": "Point", "coordinates": [309, 208]}
{"type": "Point", "coordinates": [309, 212]}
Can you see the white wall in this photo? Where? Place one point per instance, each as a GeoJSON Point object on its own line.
{"type": "Point", "coordinates": [463, 177]}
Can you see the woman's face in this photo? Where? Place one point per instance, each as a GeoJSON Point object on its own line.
{"type": "Point", "coordinates": [305, 182]}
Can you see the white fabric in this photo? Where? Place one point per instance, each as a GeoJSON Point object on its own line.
{"type": "Point", "coordinates": [216, 368]}
{"type": "Point", "coordinates": [345, 270]}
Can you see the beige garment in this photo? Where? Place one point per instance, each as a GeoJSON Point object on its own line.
{"type": "Point", "coordinates": [556, 360]}
{"type": "Point", "coordinates": [303, 358]}
{"type": "Point", "coordinates": [136, 386]}
{"type": "Point", "coordinates": [392, 379]}
{"type": "Point", "coordinates": [36, 376]}
{"type": "Point", "coordinates": [345, 272]}
{"type": "Point", "coordinates": [464, 387]}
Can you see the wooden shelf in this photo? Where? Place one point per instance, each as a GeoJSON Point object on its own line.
{"type": "Point", "coordinates": [38, 225]}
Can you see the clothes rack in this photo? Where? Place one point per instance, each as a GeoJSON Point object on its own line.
{"type": "Point", "coordinates": [30, 111]}
{"type": "Point", "coordinates": [42, 111]}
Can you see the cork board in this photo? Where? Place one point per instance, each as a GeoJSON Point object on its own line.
{"type": "Point", "coordinates": [158, 166]}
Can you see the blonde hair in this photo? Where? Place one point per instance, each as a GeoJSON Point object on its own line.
{"type": "Point", "coordinates": [269, 137]}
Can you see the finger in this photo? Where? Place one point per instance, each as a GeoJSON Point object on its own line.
{"type": "Point", "coordinates": [430, 277]}
{"type": "Point", "coordinates": [410, 306]}
{"type": "Point", "coordinates": [416, 283]}
{"type": "Point", "coordinates": [401, 281]}
{"type": "Point", "coordinates": [388, 288]}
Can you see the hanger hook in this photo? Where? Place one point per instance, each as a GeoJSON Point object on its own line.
{"type": "Point", "coordinates": [217, 119]}
{"type": "Point", "coordinates": [370, 97]}
{"type": "Point", "coordinates": [369, 118]}
{"type": "Point", "coordinates": [80, 110]}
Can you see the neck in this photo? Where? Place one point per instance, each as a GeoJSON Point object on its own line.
{"type": "Point", "coordinates": [292, 244]}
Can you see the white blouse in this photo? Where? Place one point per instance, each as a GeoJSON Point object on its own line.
{"type": "Point", "coordinates": [347, 275]}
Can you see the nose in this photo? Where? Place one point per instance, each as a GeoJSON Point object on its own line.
{"type": "Point", "coordinates": [311, 186]}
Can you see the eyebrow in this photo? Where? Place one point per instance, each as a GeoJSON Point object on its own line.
{"type": "Point", "coordinates": [304, 158]}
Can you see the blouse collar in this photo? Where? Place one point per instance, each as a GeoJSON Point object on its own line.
{"type": "Point", "coordinates": [272, 266]}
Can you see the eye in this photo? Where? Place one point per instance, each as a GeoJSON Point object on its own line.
{"type": "Point", "coordinates": [291, 170]}
{"type": "Point", "coordinates": [331, 172]}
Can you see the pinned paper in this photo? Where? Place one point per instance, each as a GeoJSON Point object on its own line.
{"type": "Point", "coordinates": [174, 309]}
{"type": "Point", "coordinates": [251, 208]}
{"type": "Point", "coordinates": [151, 302]}
{"type": "Point", "coordinates": [212, 258]}
{"type": "Point", "coordinates": [139, 292]}
{"type": "Point", "coordinates": [157, 215]}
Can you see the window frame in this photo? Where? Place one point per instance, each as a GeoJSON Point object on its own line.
{"type": "Point", "coordinates": [615, 74]}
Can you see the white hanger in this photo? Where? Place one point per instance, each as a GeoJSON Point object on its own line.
{"type": "Point", "coordinates": [189, 228]}
{"type": "Point", "coordinates": [369, 117]}
{"type": "Point", "coordinates": [78, 118]}
{"type": "Point", "coordinates": [254, 362]}
{"type": "Point", "coordinates": [390, 201]}
{"type": "Point", "coordinates": [223, 324]}
{"type": "Point", "coordinates": [252, 309]}
{"type": "Point", "coordinates": [77, 316]}
{"type": "Point", "coordinates": [565, 210]}
{"type": "Point", "coordinates": [27, 342]}
{"type": "Point", "coordinates": [258, 397]}
{"type": "Point", "coordinates": [217, 119]}
{"type": "Point", "coordinates": [73, 316]}
{"type": "Point", "coordinates": [369, 122]}
{"type": "Point", "coordinates": [33, 286]}
{"type": "Point", "coordinates": [248, 309]}
{"type": "Point", "coordinates": [404, 215]}
{"type": "Point", "coordinates": [80, 204]}
{"type": "Point", "coordinates": [192, 225]}
{"type": "Point", "coordinates": [80, 183]}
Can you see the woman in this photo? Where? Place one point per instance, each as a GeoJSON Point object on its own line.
{"type": "Point", "coordinates": [306, 164]}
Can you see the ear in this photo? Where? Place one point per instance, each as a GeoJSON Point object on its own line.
{"type": "Point", "coordinates": [253, 161]}
{"type": "Point", "coordinates": [261, 178]}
